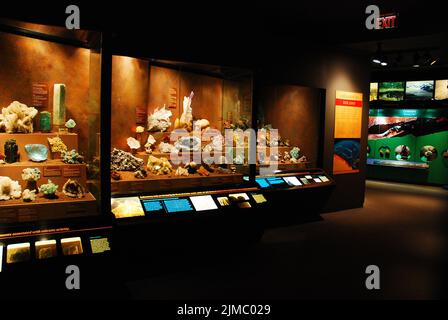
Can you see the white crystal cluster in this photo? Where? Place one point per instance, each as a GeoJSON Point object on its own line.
{"type": "Point", "coordinates": [17, 118]}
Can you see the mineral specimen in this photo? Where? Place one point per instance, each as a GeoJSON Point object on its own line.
{"type": "Point", "coordinates": [186, 119]}
{"type": "Point", "coordinates": [295, 153]}
{"type": "Point", "coordinates": [31, 176]}
{"type": "Point", "coordinates": [223, 170]}
{"type": "Point", "coordinates": [150, 144]}
{"type": "Point", "coordinates": [11, 151]}
{"type": "Point", "coordinates": [182, 172]}
{"type": "Point", "coordinates": [140, 174]}
{"type": "Point", "coordinates": [70, 124]}
{"type": "Point", "coordinates": [73, 189]}
{"type": "Point", "coordinates": [17, 118]}
{"type": "Point", "coordinates": [201, 124]}
{"type": "Point", "coordinates": [159, 166]}
{"type": "Point", "coordinates": [57, 145]}
{"type": "Point", "coordinates": [167, 148]}
{"type": "Point", "coordinates": [28, 196]}
{"type": "Point", "coordinates": [133, 143]}
{"type": "Point", "coordinates": [286, 156]}
{"type": "Point", "coordinates": [9, 189]}
{"type": "Point", "coordinates": [239, 159]}
{"type": "Point", "coordinates": [124, 161]}
{"type": "Point", "coordinates": [115, 175]}
{"type": "Point", "coordinates": [159, 120]}
{"type": "Point", "coordinates": [49, 189]}
{"type": "Point", "coordinates": [45, 121]}
{"type": "Point", "coordinates": [139, 129]}
{"type": "Point", "coordinates": [71, 157]}
{"type": "Point", "coordinates": [192, 167]}
{"type": "Point", "coordinates": [188, 144]}
{"type": "Point", "coordinates": [203, 172]}
{"type": "Point", "coordinates": [59, 104]}
{"type": "Point", "coordinates": [36, 152]}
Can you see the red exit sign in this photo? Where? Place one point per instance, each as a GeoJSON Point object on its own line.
{"type": "Point", "coordinates": [387, 21]}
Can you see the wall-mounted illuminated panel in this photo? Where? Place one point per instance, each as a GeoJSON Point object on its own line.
{"type": "Point", "coordinates": [203, 203]}
{"type": "Point", "coordinates": [71, 246]}
{"type": "Point", "coordinates": [420, 90]}
{"type": "Point", "coordinates": [441, 91]}
{"type": "Point", "coordinates": [1, 258]}
{"type": "Point", "coordinates": [177, 205]}
{"type": "Point", "coordinates": [99, 244]}
{"type": "Point", "coordinates": [19, 252]}
{"type": "Point", "coordinates": [46, 249]}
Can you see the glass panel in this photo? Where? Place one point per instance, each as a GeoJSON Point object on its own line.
{"type": "Point", "coordinates": [168, 125]}
{"type": "Point", "coordinates": [49, 125]}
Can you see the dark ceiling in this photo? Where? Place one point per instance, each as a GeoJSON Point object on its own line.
{"type": "Point", "coordinates": [251, 30]}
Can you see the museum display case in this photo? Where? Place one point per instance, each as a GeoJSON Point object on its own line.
{"type": "Point", "coordinates": [290, 123]}
{"type": "Point", "coordinates": [50, 131]}
{"type": "Point", "coordinates": [180, 143]}
{"type": "Point", "coordinates": [408, 140]}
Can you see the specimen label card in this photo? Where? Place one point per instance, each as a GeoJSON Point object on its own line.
{"type": "Point", "coordinates": [40, 94]}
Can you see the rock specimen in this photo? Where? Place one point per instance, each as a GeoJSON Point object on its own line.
{"type": "Point", "coordinates": [186, 119]}
{"type": "Point", "coordinates": [124, 161]}
{"type": "Point", "coordinates": [36, 152]}
{"type": "Point", "coordinates": [115, 175]}
{"type": "Point", "coordinates": [295, 153]}
{"type": "Point", "coordinates": [57, 145]}
{"type": "Point", "coordinates": [11, 151]}
{"type": "Point", "coordinates": [49, 189]}
{"type": "Point", "coordinates": [239, 159]}
{"type": "Point", "coordinates": [71, 157]}
{"type": "Point", "coordinates": [223, 170]}
{"type": "Point", "coordinates": [182, 172]}
{"type": "Point", "coordinates": [159, 120]}
{"type": "Point", "coordinates": [286, 156]}
{"type": "Point", "coordinates": [17, 118]}
{"type": "Point", "coordinates": [45, 121]}
{"type": "Point", "coordinates": [188, 144]}
{"type": "Point", "coordinates": [150, 143]}
{"type": "Point", "coordinates": [9, 189]}
{"type": "Point", "coordinates": [59, 104]}
{"type": "Point", "coordinates": [140, 174]}
{"type": "Point", "coordinates": [203, 172]}
{"type": "Point", "coordinates": [73, 189]}
{"type": "Point", "coordinates": [159, 166]}
{"type": "Point", "coordinates": [31, 176]}
{"type": "Point", "coordinates": [70, 124]}
{"type": "Point", "coordinates": [28, 195]}
{"type": "Point", "coordinates": [133, 144]}
{"type": "Point", "coordinates": [192, 167]}
{"type": "Point", "coordinates": [201, 124]}
{"type": "Point", "coordinates": [139, 129]}
{"type": "Point", "coordinates": [167, 148]}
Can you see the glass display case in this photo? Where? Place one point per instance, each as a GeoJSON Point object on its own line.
{"type": "Point", "coordinates": [180, 137]}
{"type": "Point", "coordinates": [50, 128]}
{"type": "Point", "coordinates": [290, 122]}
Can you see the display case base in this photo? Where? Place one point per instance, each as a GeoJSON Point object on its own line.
{"type": "Point", "coordinates": [63, 207]}
{"type": "Point", "coordinates": [130, 184]}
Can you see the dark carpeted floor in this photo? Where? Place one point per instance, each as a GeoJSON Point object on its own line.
{"type": "Point", "coordinates": [400, 229]}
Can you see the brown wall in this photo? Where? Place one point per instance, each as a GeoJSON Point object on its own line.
{"type": "Point", "coordinates": [129, 90]}
{"type": "Point", "coordinates": [295, 111]}
{"type": "Point", "coordinates": [24, 61]}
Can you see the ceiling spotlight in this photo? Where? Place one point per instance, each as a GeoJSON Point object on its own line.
{"type": "Point", "coordinates": [433, 62]}
{"type": "Point", "coordinates": [416, 60]}
{"type": "Point", "coordinates": [384, 61]}
{"type": "Point", "coordinates": [377, 56]}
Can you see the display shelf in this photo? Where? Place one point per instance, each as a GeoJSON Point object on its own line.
{"type": "Point", "coordinates": [288, 166]}
{"type": "Point", "coordinates": [154, 183]}
{"type": "Point", "coordinates": [398, 164]}
{"type": "Point", "coordinates": [62, 207]}
{"type": "Point", "coordinates": [55, 170]}
{"type": "Point", "coordinates": [22, 139]}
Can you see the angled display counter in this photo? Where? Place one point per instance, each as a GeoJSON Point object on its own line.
{"type": "Point", "coordinates": [179, 154]}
